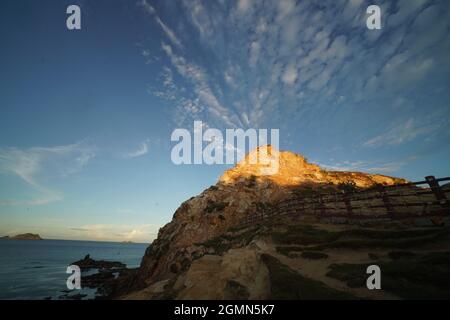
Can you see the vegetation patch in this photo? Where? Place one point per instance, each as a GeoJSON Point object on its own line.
{"type": "Point", "coordinates": [373, 256]}
{"type": "Point", "coordinates": [286, 284]}
{"type": "Point", "coordinates": [213, 188]}
{"type": "Point", "coordinates": [353, 274]}
{"type": "Point", "coordinates": [236, 291]}
{"type": "Point", "coordinates": [219, 244]}
{"type": "Point", "coordinates": [227, 241]}
{"type": "Point", "coordinates": [169, 292]}
{"type": "Point", "coordinates": [348, 187]}
{"type": "Point", "coordinates": [427, 277]}
{"type": "Point", "coordinates": [313, 255]}
{"type": "Point", "coordinates": [296, 251]}
{"type": "Point", "coordinates": [289, 251]}
{"type": "Point", "coordinates": [380, 243]}
{"type": "Point", "coordinates": [237, 228]}
{"type": "Point", "coordinates": [251, 182]}
{"type": "Point", "coordinates": [263, 207]}
{"type": "Point", "coordinates": [317, 239]}
{"type": "Point", "coordinates": [395, 255]}
{"type": "Point", "coordinates": [303, 235]}
{"type": "Point", "coordinates": [215, 206]}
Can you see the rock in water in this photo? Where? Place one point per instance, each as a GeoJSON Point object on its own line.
{"type": "Point", "coordinates": [89, 263]}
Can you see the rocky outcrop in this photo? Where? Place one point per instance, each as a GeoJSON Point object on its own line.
{"type": "Point", "coordinates": [294, 170]}
{"type": "Point", "coordinates": [104, 276]}
{"type": "Point", "coordinates": [237, 274]}
{"type": "Point", "coordinates": [241, 191]}
{"type": "Point", "coordinates": [88, 263]}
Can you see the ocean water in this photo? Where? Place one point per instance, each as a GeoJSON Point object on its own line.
{"type": "Point", "coordinates": [37, 269]}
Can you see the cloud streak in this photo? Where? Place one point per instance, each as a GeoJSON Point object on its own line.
{"type": "Point", "coordinates": [167, 31]}
{"type": "Point", "coordinates": [380, 167]}
{"type": "Point", "coordinates": [144, 233]}
{"type": "Point", "coordinates": [407, 131]}
{"type": "Point", "coordinates": [143, 149]}
{"type": "Point", "coordinates": [32, 164]}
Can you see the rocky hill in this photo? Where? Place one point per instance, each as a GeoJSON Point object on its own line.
{"type": "Point", "coordinates": [205, 252]}
{"type": "Point", "coordinates": [240, 191]}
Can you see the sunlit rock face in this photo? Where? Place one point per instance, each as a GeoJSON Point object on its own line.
{"type": "Point", "coordinates": [294, 170]}
{"type": "Point", "coordinates": [241, 191]}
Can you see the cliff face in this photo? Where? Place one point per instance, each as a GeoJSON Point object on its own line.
{"type": "Point", "coordinates": [241, 191]}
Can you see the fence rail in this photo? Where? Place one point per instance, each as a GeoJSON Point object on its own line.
{"type": "Point", "coordinates": [408, 200]}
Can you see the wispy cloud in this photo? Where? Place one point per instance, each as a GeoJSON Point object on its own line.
{"type": "Point", "coordinates": [112, 232]}
{"type": "Point", "coordinates": [124, 211]}
{"type": "Point", "coordinates": [168, 32]}
{"type": "Point", "coordinates": [143, 149]}
{"type": "Point", "coordinates": [32, 164]}
{"type": "Point", "coordinates": [200, 81]}
{"type": "Point", "coordinates": [381, 167]}
{"type": "Point", "coordinates": [403, 132]}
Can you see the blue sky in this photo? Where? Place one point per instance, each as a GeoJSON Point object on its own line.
{"type": "Point", "coordinates": [86, 115]}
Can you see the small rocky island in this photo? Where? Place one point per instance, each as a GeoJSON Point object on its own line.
{"type": "Point", "coordinates": [24, 236]}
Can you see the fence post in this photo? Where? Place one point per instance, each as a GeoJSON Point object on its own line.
{"type": "Point", "coordinates": [348, 204]}
{"type": "Point", "coordinates": [386, 201]}
{"type": "Point", "coordinates": [321, 206]}
{"type": "Point", "coordinates": [301, 210]}
{"type": "Point", "coordinates": [436, 188]}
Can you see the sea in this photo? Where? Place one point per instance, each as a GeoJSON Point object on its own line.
{"type": "Point", "coordinates": [36, 269]}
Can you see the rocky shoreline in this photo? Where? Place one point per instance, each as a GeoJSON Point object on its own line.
{"type": "Point", "coordinates": [103, 280]}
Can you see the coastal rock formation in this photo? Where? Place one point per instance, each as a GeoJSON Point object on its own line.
{"type": "Point", "coordinates": [237, 274]}
{"type": "Point", "coordinates": [180, 246]}
{"type": "Point", "coordinates": [102, 278]}
{"type": "Point", "coordinates": [88, 263]}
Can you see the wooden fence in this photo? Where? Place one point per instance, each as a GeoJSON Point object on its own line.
{"type": "Point", "coordinates": [410, 200]}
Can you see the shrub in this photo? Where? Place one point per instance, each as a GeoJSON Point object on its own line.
{"type": "Point", "coordinates": [251, 181]}
{"type": "Point", "coordinates": [215, 206]}
{"type": "Point", "coordinates": [286, 283]}
{"type": "Point", "coordinates": [347, 187]}
{"type": "Point", "coordinates": [313, 255]}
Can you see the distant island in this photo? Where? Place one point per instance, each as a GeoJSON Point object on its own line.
{"type": "Point", "coordinates": [24, 236]}
{"type": "Point", "coordinates": [127, 242]}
